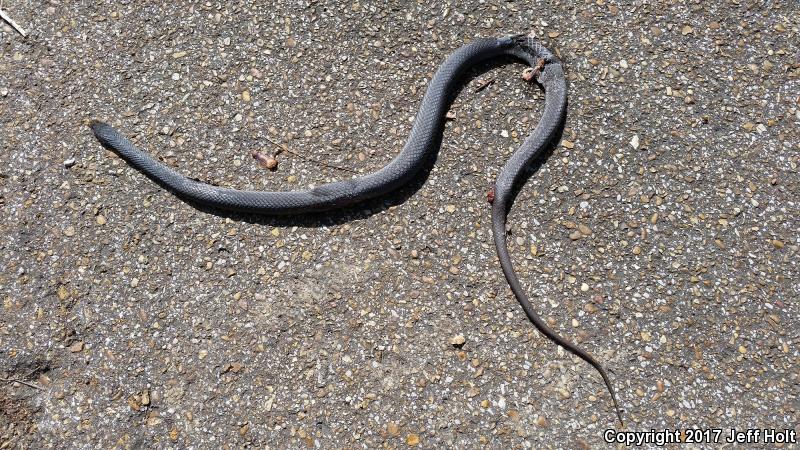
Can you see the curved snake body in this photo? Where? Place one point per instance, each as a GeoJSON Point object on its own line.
{"type": "Point", "coordinates": [421, 144]}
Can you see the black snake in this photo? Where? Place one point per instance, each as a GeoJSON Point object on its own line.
{"type": "Point", "coordinates": [421, 144]}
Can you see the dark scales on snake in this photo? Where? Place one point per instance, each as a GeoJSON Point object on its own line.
{"type": "Point", "coordinates": [422, 143]}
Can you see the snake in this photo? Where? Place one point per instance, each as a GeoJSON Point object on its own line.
{"type": "Point", "coordinates": [422, 143]}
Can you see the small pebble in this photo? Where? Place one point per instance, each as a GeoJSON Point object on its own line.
{"type": "Point", "coordinates": [635, 141]}
{"type": "Point", "coordinates": [458, 340]}
{"type": "Point", "coordinates": [541, 422]}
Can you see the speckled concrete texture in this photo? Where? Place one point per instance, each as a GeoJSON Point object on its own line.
{"type": "Point", "coordinates": [661, 234]}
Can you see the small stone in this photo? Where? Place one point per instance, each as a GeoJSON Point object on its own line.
{"type": "Point", "coordinates": [62, 292]}
{"type": "Point", "coordinates": [584, 287]}
{"type": "Point", "coordinates": [575, 235]}
{"type": "Point", "coordinates": [568, 144]}
{"type": "Point", "coordinates": [176, 76]}
{"type": "Point", "coordinates": [504, 133]}
{"type": "Point", "coordinates": [458, 340]}
{"type": "Point", "coordinates": [541, 422]}
{"type": "Point", "coordinates": [646, 336]}
{"type": "Point", "coordinates": [134, 282]}
{"type": "Point", "coordinates": [144, 399]}
{"type": "Point", "coordinates": [590, 308]}
{"type": "Point", "coordinates": [100, 219]}
{"type": "Point", "coordinates": [742, 349]}
{"type": "Point", "coordinates": [412, 440]}
{"type": "Point", "coordinates": [637, 250]}
{"type": "Point", "coordinates": [246, 96]}
{"type": "Point", "coordinates": [686, 30]}
{"type": "Point", "coordinates": [777, 243]}
{"type": "Point", "coordinates": [202, 354]}
{"type": "Point", "coordinates": [177, 55]}
{"type": "Point", "coordinates": [450, 208]}
{"type": "Point", "coordinates": [635, 141]}
{"type": "Point", "coordinates": [69, 162]}
{"type": "Point", "coordinates": [393, 428]}
{"type": "Point", "coordinates": [69, 231]}
{"type": "Point", "coordinates": [76, 347]}
{"type": "Point", "coordinates": [133, 402]}
{"type": "Point", "coordinates": [586, 231]}
{"type": "Point", "coordinates": [275, 232]}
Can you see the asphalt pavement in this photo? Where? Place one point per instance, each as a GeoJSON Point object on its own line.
{"type": "Point", "coordinates": [661, 233]}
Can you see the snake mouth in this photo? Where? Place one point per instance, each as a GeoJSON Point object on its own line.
{"type": "Point", "coordinates": [533, 48]}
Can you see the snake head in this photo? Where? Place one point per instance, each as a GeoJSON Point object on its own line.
{"type": "Point", "coordinates": [532, 48]}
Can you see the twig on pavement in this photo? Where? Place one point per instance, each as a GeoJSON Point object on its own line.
{"type": "Point", "coordinates": [13, 24]}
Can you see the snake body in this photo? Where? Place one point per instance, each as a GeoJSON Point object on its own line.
{"type": "Point", "coordinates": [421, 144]}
